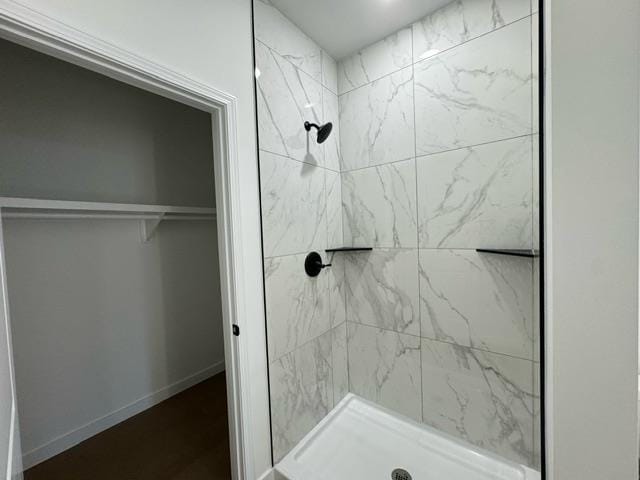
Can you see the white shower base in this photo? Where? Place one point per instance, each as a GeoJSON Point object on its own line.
{"type": "Point", "coordinates": [359, 440]}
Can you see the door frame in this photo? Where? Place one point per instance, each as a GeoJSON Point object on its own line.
{"type": "Point", "coordinates": [39, 32]}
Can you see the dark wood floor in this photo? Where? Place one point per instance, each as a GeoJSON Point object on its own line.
{"type": "Point", "coordinates": [183, 438]}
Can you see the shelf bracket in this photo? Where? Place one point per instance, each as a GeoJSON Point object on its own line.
{"type": "Point", "coordinates": [148, 228]}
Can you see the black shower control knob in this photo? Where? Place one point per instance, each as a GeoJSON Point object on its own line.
{"type": "Point", "coordinates": [313, 264]}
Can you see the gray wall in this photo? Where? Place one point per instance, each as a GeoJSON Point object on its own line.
{"type": "Point", "coordinates": [70, 134]}
{"type": "Point", "coordinates": [101, 320]}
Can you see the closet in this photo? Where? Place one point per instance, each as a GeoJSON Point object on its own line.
{"type": "Point", "coordinates": [109, 234]}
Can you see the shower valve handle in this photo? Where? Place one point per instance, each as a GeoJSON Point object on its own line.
{"type": "Point", "coordinates": [313, 264]}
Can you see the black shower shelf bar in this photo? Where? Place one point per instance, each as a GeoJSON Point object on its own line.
{"type": "Point", "coordinates": [349, 249]}
{"type": "Point", "coordinates": [510, 252]}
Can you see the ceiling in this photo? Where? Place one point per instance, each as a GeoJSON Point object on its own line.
{"type": "Point", "coordinates": [342, 27]}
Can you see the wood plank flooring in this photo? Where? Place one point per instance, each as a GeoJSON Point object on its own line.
{"type": "Point", "coordinates": [183, 438]}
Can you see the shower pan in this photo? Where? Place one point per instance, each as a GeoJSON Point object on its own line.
{"type": "Point", "coordinates": [399, 176]}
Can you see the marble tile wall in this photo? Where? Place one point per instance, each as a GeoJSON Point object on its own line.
{"type": "Point", "coordinates": [438, 135]}
{"type": "Point", "coordinates": [433, 154]}
{"type": "Point", "coordinates": [301, 194]}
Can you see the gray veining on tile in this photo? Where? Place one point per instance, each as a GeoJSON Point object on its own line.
{"type": "Point", "coordinates": [386, 56]}
{"type": "Point", "coordinates": [536, 309]}
{"type": "Point", "coordinates": [287, 97]}
{"type": "Point", "coordinates": [537, 425]}
{"type": "Point", "coordinates": [278, 32]}
{"type": "Point", "coordinates": [380, 206]}
{"type": "Point", "coordinates": [481, 397]}
{"type": "Point", "coordinates": [297, 305]}
{"type": "Point", "coordinates": [329, 73]}
{"type": "Point", "coordinates": [478, 197]}
{"type": "Point", "coordinates": [382, 290]}
{"type": "Point", "coordinates": [294, 217]}
{"type": "Point", "coordinates": [331, 146]}
{"type": "Point", "coordinates": [337, 288]}
{"type": "Point", "coordinates": [535, 191]}
{"type": "Point", "coordinates": [377, 122]}
{"type": "Point", "coordinates": [476, 93]}
{"type": "Point", "coordinates": [535, 67]}
{"type": "Point", "coordinates": [384, 367]}
{"type": "Point", "coordinates": [477, 300]}
{"type": "Point", "coordinates": [334, 209]}
{"type": "Point", "coordinates": [301, 393]}
{"type": "Point", "coordinates": [340, 367]}
{"type": "Point", "coordinates": [461, 21]}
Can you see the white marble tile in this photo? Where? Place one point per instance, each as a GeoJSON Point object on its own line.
{"type": "Point", "coordinates": [535, 6]}
{"type": "Point", "coordinates": [476, 93]}
{"type": "Point", "coordinates": [384, 367]}
{"type": "Point", "coordinates": [535, 191]}
{"type": "Point", "coordinates": [380, 206]}
{"type": "Point", "coordinates": [331, 113]}
{"type": "Point", "coordinates": [481, 397]}
{"type": "Point", "coordinates": [382, 58]}
{"type": "Point", "coordinates": [477, 197]}
{"type": "Point", "coordinates": [301, 393]}
{"type": "Point", "coordinates": [537, 419]}
{"type": "Point", "coordinates": [535, 67]}
{"type": "Point", "coordinates": [377, 123]}
{"type": "Point", "coordinates": [329, 72]}
{"type": "Point", "coordinates": [340, 367]}
{"type": "Point", "coordinates": [294, 217]}
{"type": "Point", "coordinates": [337, 288]}
{"type": "Point", "coordinates": [334, 209]}
{"type": "Point", "coordinates": [382, 289]}
{"type": "Point", "coordinates": [477, 300]}
{"type": "Point", "coordinates": [461, 21]}
{"type": "Point", "coordinates": [536, 309]}
{"type": "Point", "coordinates": [287, 97]}
{"type": "Point", "coordinates": [297, 305]}
{"type": "Point", "coordinates": [279, 33]}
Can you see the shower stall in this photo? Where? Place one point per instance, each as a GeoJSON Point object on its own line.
{"type": "Point", "coordinates": [400, 220]}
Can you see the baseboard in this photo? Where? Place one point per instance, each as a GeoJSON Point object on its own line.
{"type": "Point", "coordinates": [74, 437]}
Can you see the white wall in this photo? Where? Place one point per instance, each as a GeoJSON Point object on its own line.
{"type": "Point", "coordinates": [592, 236]}
{"type": "Point", "coordinates": [101, 320]}
{"type": "Point", "coordinates": [210, 41]}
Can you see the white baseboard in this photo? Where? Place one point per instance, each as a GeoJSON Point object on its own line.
{"type": "Point", "coordinates": [88, 430]}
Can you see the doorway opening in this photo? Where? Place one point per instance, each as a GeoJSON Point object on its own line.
{"type": "Point", "coordinates": [112, 276]}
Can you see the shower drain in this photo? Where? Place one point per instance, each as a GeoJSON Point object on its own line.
{"type": "Point", "coordinates": [400, 474]}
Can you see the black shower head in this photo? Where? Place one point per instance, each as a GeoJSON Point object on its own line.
{"type": "Point", "coordinates": [323, 130]}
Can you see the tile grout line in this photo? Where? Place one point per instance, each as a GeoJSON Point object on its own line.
{"type": "Point", "coordinates": [385, 249]}
{"type": "Point", "coordinates": [417, 218]}
{"type": "Point", "coordinates": [418, 157]}
{"type": "Point", "coordinates": [273, 49]}
{"type": "Point", "coordinates": [302, 345]}
{"type": "Point", "coordinates": [476, 349]}
{"type": "Point", "coordinates": [298, 161]}
{"type": "Point", "coordinates": [446, 50]}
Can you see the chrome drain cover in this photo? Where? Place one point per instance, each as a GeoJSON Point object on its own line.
{"type": "Point", "coordinates": [400, 474]}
